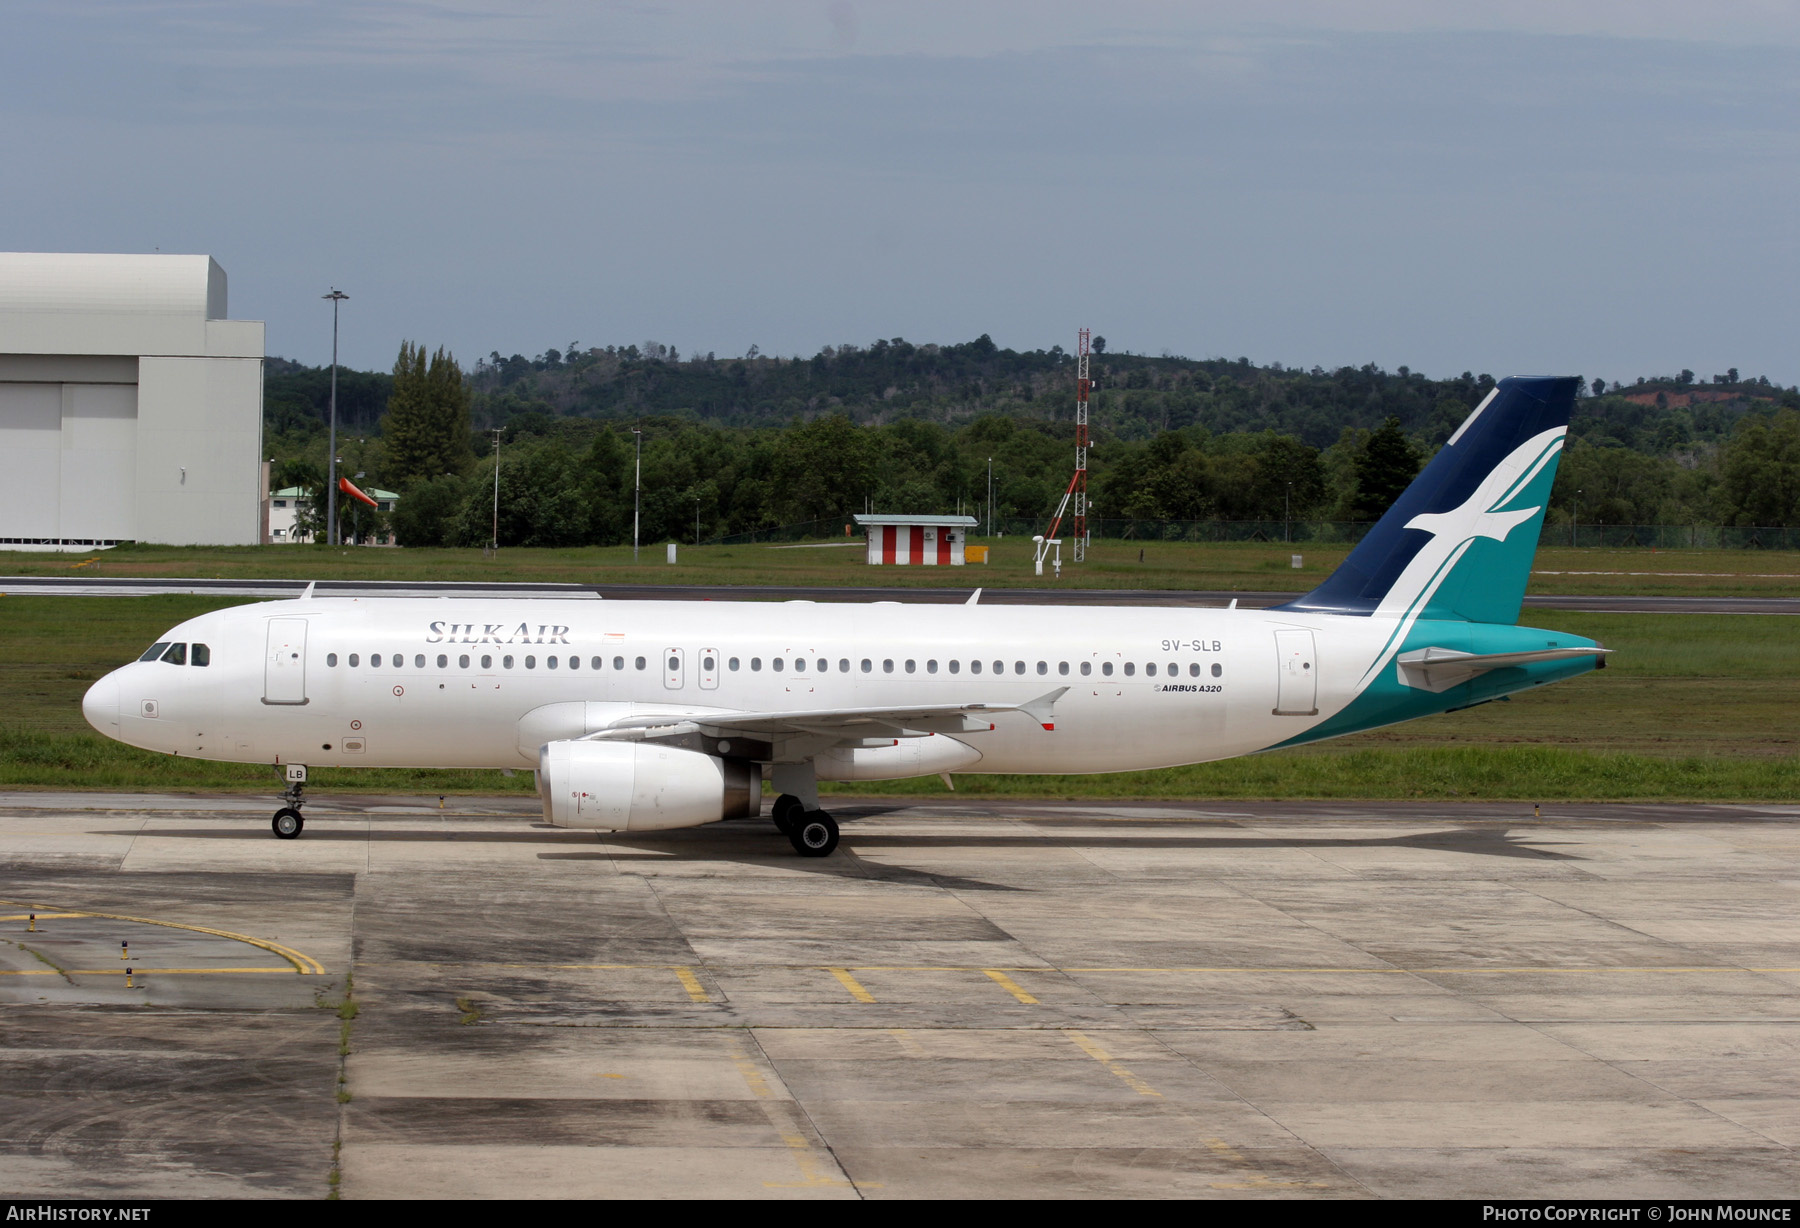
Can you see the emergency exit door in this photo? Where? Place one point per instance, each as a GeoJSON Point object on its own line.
{"type": "Point", "coordinates": [1297, 682]}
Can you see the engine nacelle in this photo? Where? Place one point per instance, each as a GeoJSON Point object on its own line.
{"type": "Point", "coordinates": [640, 786]}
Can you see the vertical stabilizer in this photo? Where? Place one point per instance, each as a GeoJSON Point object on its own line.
{"type": "Point", "coordinates": [1458, 542]}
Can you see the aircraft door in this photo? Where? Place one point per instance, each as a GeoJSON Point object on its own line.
{"type": "Point", "coordinates": [709, 669]}
{"type": "Point", "coordinates": [284, 663]}
{"type": "Point", "coordinates": [1297, 682]}
{"type": "Point", "coordinates": [673, 674]}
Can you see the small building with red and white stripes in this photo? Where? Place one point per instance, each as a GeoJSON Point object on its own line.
{"type": "Point", "coordinates": [931, 541]}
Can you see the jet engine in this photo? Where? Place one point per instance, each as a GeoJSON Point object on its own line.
{"type": "Point", "coordinates": [641, 786]}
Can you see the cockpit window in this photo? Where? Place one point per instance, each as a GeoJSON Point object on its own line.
{"type": "Point", "coordinates": [202, 655]}
{"type": "Point", "coordinates": [154, 651]}
{"type": "Point", "coordinates": [177, 654]}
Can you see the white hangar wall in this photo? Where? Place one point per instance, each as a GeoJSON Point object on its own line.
{"type": "Point", "coordinates": [130, 407]}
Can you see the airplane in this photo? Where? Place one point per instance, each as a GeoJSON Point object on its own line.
{"type": "Point", "coordinates": [641, 716]}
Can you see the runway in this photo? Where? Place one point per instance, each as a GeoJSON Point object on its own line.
{"type": "Point", "coordinates": [98, 587]}
{"type": "Point", "coordinates": [974, 998]}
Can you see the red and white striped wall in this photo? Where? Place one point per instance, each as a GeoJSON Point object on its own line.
{"type": "Point", "coordinates": [917, 544]}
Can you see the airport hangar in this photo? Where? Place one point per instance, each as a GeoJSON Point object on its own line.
{"type": "Point", "coordinates": [130, 406]}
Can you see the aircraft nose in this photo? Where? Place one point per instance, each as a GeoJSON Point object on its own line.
{"type": "Point", "coordinates": [101, 705]}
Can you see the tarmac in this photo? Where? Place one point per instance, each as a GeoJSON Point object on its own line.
{"type": "Point", "coordinates": [972, 998]}
{"type": "Point", "coordinates": [92, 586]}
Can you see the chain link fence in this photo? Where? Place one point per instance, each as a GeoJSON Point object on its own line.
{"type": "Point", "coordinates": [1318, 532]}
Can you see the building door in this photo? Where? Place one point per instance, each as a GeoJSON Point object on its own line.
{"type": "Point", "coordinates": [1297, 684]}
{"type": "Point", "coordinates": [284, 665]}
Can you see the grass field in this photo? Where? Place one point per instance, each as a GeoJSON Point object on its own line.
{"type": "Point", "coordinates": [1692, 707]}
{"type": "Point", "coordinates": [1230, 566]}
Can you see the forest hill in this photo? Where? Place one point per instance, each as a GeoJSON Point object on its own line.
{"type": "Point", "coordinates": [759, 441]}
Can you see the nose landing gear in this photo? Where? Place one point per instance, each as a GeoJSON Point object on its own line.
{"type": "Point", "coordinates": [288, 823]}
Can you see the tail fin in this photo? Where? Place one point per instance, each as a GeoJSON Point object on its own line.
{"type": "Point", "coordinates": [1458, 542]}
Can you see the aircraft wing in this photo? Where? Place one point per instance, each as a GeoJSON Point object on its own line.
{"type": "Point", "coordinates": [846, 723]}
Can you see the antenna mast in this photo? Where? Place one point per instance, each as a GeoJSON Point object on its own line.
{"type": "Point", "coordinates": [1077, 492]}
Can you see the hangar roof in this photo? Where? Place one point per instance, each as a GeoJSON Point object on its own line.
{"type": "Point", "coordinates": [112, 284]}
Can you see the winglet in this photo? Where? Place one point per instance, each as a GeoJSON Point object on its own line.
{"type": "Point", "coordinates": [973, 597]}
{"type": "Point", "coordinates": [310, 585]}
{"type": "Point", "coordinates": [1043, 708]}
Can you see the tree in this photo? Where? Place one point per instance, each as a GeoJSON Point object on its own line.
{"type": "Point", "coordinates": [1099, 345]}
{"type": "Point", "coordinates": [1387, 465]}
{"type": "Point", "coordinates": [1760, 472]}
{"type": "Point", "coordinates": [426, 428]}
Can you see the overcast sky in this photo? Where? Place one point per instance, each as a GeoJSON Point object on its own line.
{"type": "Point", "coordinates": [1610, 189]}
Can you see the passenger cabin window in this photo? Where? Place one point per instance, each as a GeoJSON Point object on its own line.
{"type": "Point", "coordinates": [732, 665]}
{"type": "Point", "coordinates": [956, 667]}
{"type": "Point", "coordinates": [487, 662]}
{"type": "Point", "coordinates": [1062, 667]}
{"type": "Point", "coordinates": [1018, 667]}
{"type": "Point", "coordinates": [505, 662]}
{"type": "Point", "coordinates": [867, 665]}
{"type": "Point", "coordinates": [202, 655]}
{"type": "Point", "coordinates": [1043, 667]}
{"type": "Point", "coordinates": [618, 662]}
{"type": "Point", "coordinates": [931, 667]}
{"type": "Point", "coordinates": [974, 667]}
{"type": "Point", "coordinates": [756, 665]}
{"type": "Point", "coordinates": [155, 650]}
{"type": "Point", "coordinates": [596, 662]}
{"type": "Point", "coordinates": [1106, 668]}
{"type": "Point", "coordinates": [176, 655]}
{"type": "Point", "coordinates": [353, 660]}
{"type": "Point", "coordinates": [887, 666]}
{"type": "Point", "coordinates": [1149, 670]}
{"type": "Point", "coordinates": [1087, 667]}
{"type": "Point", "coordinates": [530, 662]}
{"type": "Point", "coordinates": [843, 665]}
{"type": "Point", "coordinates": [1174, 670]}
{"type": "Point", "coordinates": [1217, 669]}
{"type": "Point", "coordinates": [462, 662]}
{"type": "Point", "coordinates": [799, 665]}
{"type": "Point", "coordinates": [331, 659]}
{"type": "Point", "coordinates": [912, 666]}
{"type": "Point", "coordinates": [641, 663]}
{"type": "Point", "coordinates": [777, 664]}
{"type": "Point", "coordinates": [1130, 668]}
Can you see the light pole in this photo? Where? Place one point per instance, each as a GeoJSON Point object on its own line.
{"type": "Point", "coordinates": [1575, 519]}
{"type": "Point", "coordinates": [496, 540]}
{"type": "Point", "coordinates": [696, 520]}
{"type": "Point", "coordinates": [990, 531]}
{"type": "Point", "coordinates": [331, 527]}
{"type": "Point", "coordinates": [1287, 514]}
{"type": "Point", "coordinates": [637, 491]}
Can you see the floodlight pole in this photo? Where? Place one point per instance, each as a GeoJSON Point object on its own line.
{"type": "Point", "coordinates": [637, 489]}
{"type": "Point", "coordinates": [331, 531]}
{"type": "Point", "coordinates": [990, 531]}
{"type": "Point", "coordinates": [496, 538]}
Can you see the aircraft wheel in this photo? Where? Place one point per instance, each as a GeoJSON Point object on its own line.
{"type": "Point", "coordinates": [815, 834]}
{"type": "Point", "coordinates": [288, 823]}
{"type": "Point", "coordinates": [785, 812]}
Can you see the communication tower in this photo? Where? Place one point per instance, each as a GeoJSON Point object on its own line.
{"type": "Point", "coordinates": [1077, 492]}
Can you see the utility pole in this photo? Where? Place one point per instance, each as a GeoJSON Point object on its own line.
{"type": "Point", "coordinates": [1287, 513]}
{"type": "Point", "coordinates": [331, 525]}
{"type": "Point", "coordinates": [1575, 520]}
{"type": "Point", "coordinates": [696, 520]}
{"type": "Point", "coordinates": [637, 491]}
{"type": "Point", "coordinates": [990, 496]}
{"type": "Point", "coordinates": [496, 539]}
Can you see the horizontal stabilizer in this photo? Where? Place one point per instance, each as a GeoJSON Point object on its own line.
{"type": "Point", "coordinates": [1439, 669]}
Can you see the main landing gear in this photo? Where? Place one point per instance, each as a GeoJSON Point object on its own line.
{"type": "Point", "coordinates": [288, 823]}
{"type": "Point", "coordinates": [813, 833]}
